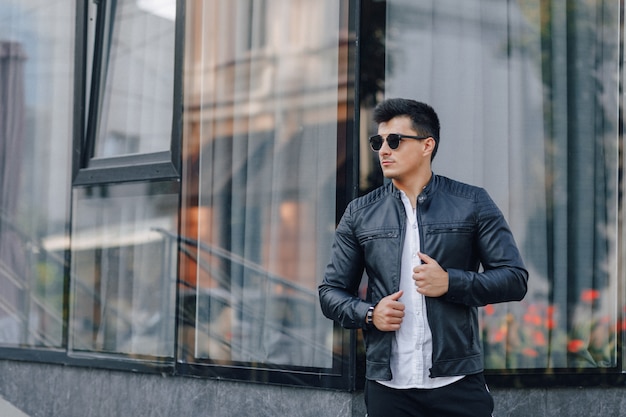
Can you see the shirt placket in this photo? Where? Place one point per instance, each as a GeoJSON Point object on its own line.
{"type": "Point", "coordinates": [418, 302]}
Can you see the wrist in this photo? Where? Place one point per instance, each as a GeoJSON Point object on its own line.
{"type": "Point", "coordinates": [369, 316]}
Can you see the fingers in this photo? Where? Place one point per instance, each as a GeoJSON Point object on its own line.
{"type": "Point", "coordinates": [430, 278]}
{"type": "Point", "coordinates": [389, 312]}
{"type": "Point", "coordinates": [396, 295]}
{"type": "Point", "coordinates": [425, 258]}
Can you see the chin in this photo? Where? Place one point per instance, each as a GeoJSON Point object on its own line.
{"type": "Point", "coordinates": [388, 174]}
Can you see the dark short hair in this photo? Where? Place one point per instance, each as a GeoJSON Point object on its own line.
{"type": "Point", "coordinates": [423, 117]}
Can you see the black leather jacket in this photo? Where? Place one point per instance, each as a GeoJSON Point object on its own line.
{"type": "Point", "coordinates": [462, 229]}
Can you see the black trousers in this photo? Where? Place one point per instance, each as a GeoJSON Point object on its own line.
{"type": "Point", "coordinates": [468, 397]}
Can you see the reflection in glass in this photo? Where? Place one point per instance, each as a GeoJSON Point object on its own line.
{"type": "Point", "coordinates": [35, 138]}
{"type": "Point", "coordinates": [124, 269]}
{"type": "Point", "coordinates": [138, 71]}
{"type": "Point", "coordinates": [528, 96]}
{"type": "Point", "coordinates": [265, 108]}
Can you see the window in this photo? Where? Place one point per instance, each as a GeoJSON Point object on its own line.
{"type": "Point", "coordinates": [528, 95]}
{"type": "Point", "coordinates": [126, 185]}
{"type": "Point", "coordinates": [125, 263]}
{"type": "Point", "coordinates": [263, 131]}
{"type": "Point", "coordinates": [36, 102]}
{"type": "Point", "coordinates": [124, 269]}
{"type": "Point", "coordinates": [131, 129]}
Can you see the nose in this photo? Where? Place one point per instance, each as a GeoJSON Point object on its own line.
{"type": "Point", "coordinates": [384, 149]}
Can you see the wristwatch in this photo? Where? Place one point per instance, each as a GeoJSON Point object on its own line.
{"type": "Point", "coordinates": [369, 316]}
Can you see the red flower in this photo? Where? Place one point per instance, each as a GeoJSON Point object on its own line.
{"type": "Point", "coordinates": [575, 345]}
{"type": "Point", "coordinates": [532, 318]}
{"type": "Point", "coordinates": [539, 338]}
{"type": "Point", "coordinates": [499, 335]}
{"type": "Point", "coordinates": [589, 295]}
{"type": "Point", "coordinates": [490, 309]}
{"type": "Point", "coordinates": [530, 352]}
{"type": "Point", "coordinates": [550, 321]}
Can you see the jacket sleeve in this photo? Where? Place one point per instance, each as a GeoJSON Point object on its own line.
{"type": "Point", "coordinates": [338, 291]}
{"type": "Point", "coordinates": [504, 276]}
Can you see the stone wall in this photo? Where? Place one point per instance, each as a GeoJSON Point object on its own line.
{"type": "Point", "coordinates": [44, 390]}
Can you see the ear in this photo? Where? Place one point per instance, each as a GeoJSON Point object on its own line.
{"type": "Point", "coordinates": [429, 146]}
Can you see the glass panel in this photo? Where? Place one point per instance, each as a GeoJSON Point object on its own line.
{"type": "Point", "coordinates": [531, 114]}
{"type": "Point", "coordinates": [36, 82]}
{"type": "Point", "coordinates": [124, 269]}
{"type": "Point", "coordinates": [265, 109]}
{"type": "Point", "coordinates": [138, 71]}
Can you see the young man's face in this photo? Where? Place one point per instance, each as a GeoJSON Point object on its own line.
{"type": "Point", "coordinates": [411, 158]}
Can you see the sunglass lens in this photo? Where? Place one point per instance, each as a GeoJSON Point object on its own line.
{"type": "Point", "coordinates": [393, 140]}
{"type": "Point", "coordinates": [376, 142]}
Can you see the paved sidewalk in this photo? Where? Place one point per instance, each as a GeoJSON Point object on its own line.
{"type": "Point", "coordinates": [8, 410]}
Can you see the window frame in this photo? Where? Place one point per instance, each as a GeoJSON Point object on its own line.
{"type": "Point", "coordinates": [89, 171]}
{"type": "Point", "coordinates": [86, 169]}
{"type": "Point", "coordinates": [344, 373]}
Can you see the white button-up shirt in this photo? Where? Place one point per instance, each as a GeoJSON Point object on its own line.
{"type": "Point", "coordinates": [411, 350]}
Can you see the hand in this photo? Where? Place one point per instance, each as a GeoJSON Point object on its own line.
{"type": "Point", "coordinates": [388, 313]}
{"type": "Point", "coordinates": [430, 278]}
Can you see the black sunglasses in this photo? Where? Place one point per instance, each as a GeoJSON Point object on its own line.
{"type": "Point", "coordinates": [393, 140]}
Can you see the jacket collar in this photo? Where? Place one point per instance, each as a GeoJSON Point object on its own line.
{"type": "Point", "coordinates": [428, 190]}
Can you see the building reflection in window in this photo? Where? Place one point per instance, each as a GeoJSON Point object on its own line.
{"type": "Point", "coordinates": [123, 269]}
{"type": "Point", "coordinates": [35, 139]}
{"type": "Point", "coordinates": [529, 100]}
{"type": "Point", "coordinates": [265, 108]}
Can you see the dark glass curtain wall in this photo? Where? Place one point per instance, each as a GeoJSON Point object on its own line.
{"type": "Point", "coordinates": [528, 92]}
{"type": "Point", "coordinates": [171, 173]}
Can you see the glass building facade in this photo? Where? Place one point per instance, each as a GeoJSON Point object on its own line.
{"type": "Point", "coordinates": [171, 174]}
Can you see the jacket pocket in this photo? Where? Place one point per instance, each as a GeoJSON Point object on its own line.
{"type": "Point", "coordinates": [454, 229]}
{"type": "Point", "coordinates": [382, 254]}
{"type": "Point", "coordinates": [366, 237]}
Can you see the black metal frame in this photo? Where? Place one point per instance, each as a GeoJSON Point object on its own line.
{"type": "Point", "coordinates": [142, 167]}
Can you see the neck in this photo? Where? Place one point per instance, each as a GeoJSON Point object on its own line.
{"type": "Point", "coordinates": [414, 187]}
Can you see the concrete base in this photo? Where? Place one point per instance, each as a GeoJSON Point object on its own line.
{"type": "Point", "coordinates": [44, 390]}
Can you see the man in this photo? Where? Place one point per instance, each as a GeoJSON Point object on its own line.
{"type": "Point", "coordinates": [421, 239]}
